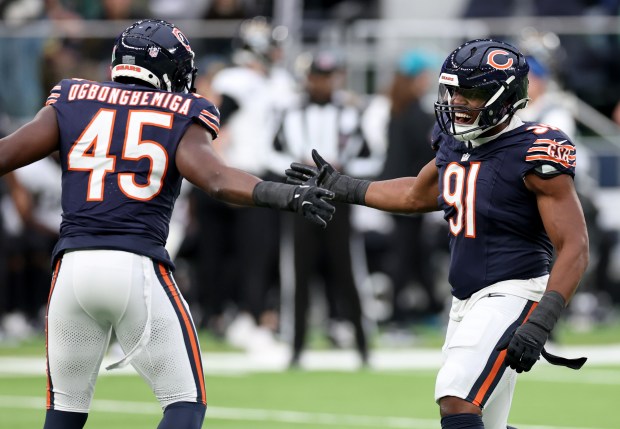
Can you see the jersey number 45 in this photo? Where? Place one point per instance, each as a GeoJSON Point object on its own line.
{"type": "Point", "coordinates": [91, 153]}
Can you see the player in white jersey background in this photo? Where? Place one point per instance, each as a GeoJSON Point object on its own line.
{"type": "Point", "coordinates": [250, 95]}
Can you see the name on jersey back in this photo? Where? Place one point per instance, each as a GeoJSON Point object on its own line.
{"type": "Point", "coordinates": [125, 97]}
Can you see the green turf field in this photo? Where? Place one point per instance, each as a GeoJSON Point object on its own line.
{"type": "Point", "coordinates": [546, 398]}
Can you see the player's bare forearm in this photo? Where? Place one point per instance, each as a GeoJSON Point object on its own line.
{"type": "Point", "coordinates": [568, 270]}
{"type": "Point", "coordinates": [233, 186]}
{"type": "Point", "coordinates": [406, 194]}
{"type": "Point", "coordinates": [572, 252]}
{"type": "Point", "coordinates": [565, 224]}
{"type": "Point", "coordinates": [395, 196]}
{"type": "Point", "coordinates": [32, 142]}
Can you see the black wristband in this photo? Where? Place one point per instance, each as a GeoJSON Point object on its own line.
{"type": "Point", "coordinates": [354, 189]}
{"type": "Point", "coordinates": [359, 197]}
{"type": "Point", "coordinates": [274, 195]}
{"type": "Point", "coordinates": [548, 311]}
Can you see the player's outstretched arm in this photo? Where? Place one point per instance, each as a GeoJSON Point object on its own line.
{"type": "Point", "coordinates": [32, 142]}
{"type": "Point", "coordinates": [198, 162]}
{"type": "Point", "coordinates": [402, 195]}
{"type": "Point", "coordinates": [565, 224]}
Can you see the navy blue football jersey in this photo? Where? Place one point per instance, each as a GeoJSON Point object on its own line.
{"type": "Point", "coordinates": [496, 232]}
{"type": "Point", "coordinates": [117, 148]}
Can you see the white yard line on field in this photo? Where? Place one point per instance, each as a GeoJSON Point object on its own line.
{"type": "Point", "coordinates": [328, 360]}
{"type": "Point", "coordinates": [257, 415]}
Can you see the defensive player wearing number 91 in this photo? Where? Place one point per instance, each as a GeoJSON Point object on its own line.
{"type": "Point", "coordinates": [506, 188]}
{"type": "Point", "coordinates": [125, 147]}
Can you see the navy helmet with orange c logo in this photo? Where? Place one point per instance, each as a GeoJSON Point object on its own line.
{"type": "Point", "coordinates": [154, 52]}
{"type": "Point", "coordinates": [488, 70]}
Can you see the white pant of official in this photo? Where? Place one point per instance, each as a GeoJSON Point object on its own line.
{"type": "Point", "coordinates": [473, 369]}
{"type": "Point", "coordinates": [95, 292]}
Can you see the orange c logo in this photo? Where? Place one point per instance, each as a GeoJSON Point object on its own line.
{"type": "Point", "coordinates": [181, 38]}
{"type": "Point", "coordinates": [492, 63]}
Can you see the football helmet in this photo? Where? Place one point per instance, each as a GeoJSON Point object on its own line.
{"type": "Point", "coordinates": [326, 61]}
{"type": "Point", "coordinates": [484, 69]}
{"type": "Point", "coordinates": [256, 41]}
{"type": "Point", "coordinates": [157, 53]}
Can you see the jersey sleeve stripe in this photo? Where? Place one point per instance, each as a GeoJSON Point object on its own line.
{"type": "Point", "coordinates": [210, 125]}
{"type": "Point", "coordinates": [553, 142]}
{"type": "Point", "coordinates": [210, 116]}
{"type": "Point", "coordinates": [548, 158]}
{"type": "Point", "coordinates": [213, 123]}
{"type": "Point", "coordinates": [54, 95]}
{"type": "Point", "coordinates": [545, 150]}
{"type": "Point", "coordinates": [561, 153]}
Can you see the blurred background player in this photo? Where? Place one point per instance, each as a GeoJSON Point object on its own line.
{"type": "Point", "coordinates": [250, 96]}
{"type": "Point", "coordinates": [412, 250]}
{"type": "Point", "coordinates": [329, 118]}
{"type": "Point", "coordinates": [32, 213]}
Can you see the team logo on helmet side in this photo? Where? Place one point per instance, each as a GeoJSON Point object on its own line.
{"type": "Point", "coordinates": [181, 37]}
{"type": "Point", "coordinates": [154, 51]}
{"type": "Point", "coordinates": [491, 59]}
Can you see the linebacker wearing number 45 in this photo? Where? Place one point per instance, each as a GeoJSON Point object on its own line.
{"type": "Point", "coordinates": [125, 147]}
{"type": "Point", "coordinates": [507, 192]}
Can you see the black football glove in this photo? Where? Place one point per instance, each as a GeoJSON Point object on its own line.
{"type": "Point", "coordinates": [346, 189]}
{"type": "Point", "coordinates": [524, 346]}
{"type": "Point", "coordinates": [306, 199]}
{"type": "Point", "coordinates": [310, 201]}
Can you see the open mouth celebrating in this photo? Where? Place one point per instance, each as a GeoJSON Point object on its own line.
{"type": "Point", "coordinates": [463, 118]}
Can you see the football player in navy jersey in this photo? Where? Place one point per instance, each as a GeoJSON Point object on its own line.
{"type": "Point", "coordinates": [507, 192]}
{"type": "Point", "coordinates": [125, 146]}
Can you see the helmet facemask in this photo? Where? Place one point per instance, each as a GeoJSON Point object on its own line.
{"type": "Point", "coordinates": [185, 77]}
{"type": "Point", "coordinates": [496, 109]}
